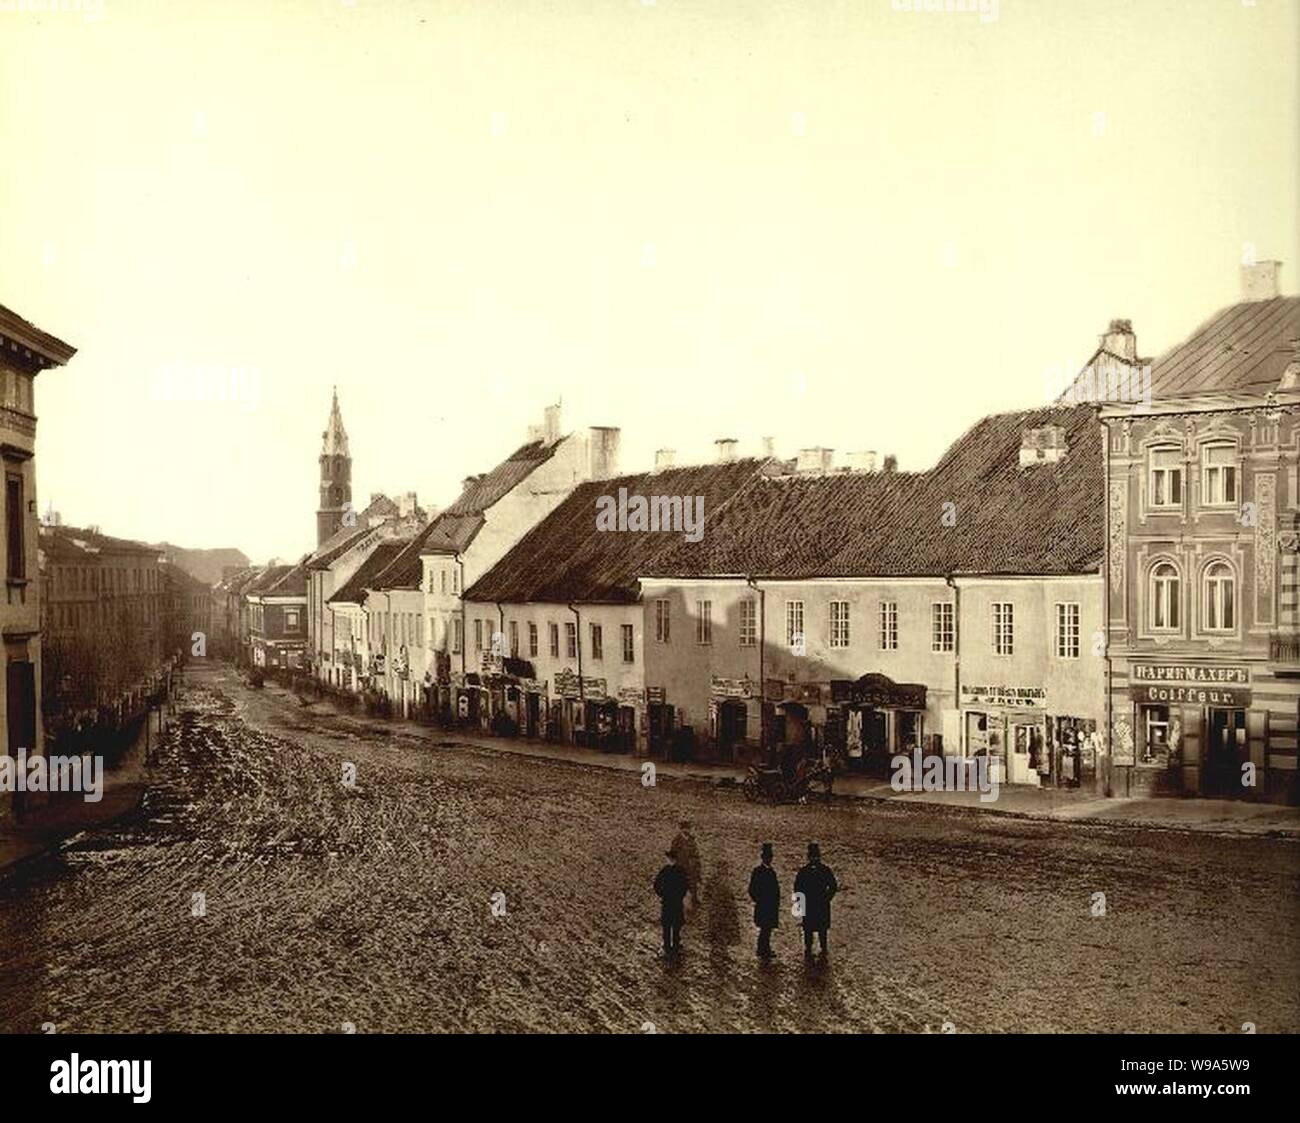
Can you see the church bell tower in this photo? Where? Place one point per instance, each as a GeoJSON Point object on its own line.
{"type": "Point", "coordinates": [335, 475]}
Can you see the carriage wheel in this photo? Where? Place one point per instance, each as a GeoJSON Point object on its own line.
{"type": "Point", "coordinates": [750, 788]}
{"type": "Point", "coordinates": [780, 792]}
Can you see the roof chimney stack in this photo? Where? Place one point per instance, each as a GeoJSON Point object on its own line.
{"type": "Point", "coordinates": [862, 461]}
{"type": "Point", "coordinates": [815, 459]}
{"type": "Point", "coordinates": [602, 451]}
{"type": "Point", "coordinates": [1259, 280]}
{"type": "Point", "coordinates": [726, 447]}
{"type": "Point", "coordinates": [769, 446]}
{"type": "Point", "coordinates": [551, 424]}
{"type": "Point", "coordinates": [1120, 340]}
{"type": "Point", "coordinates": [664, 458]}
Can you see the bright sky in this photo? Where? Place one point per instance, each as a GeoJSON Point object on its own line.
{"type": "Point", "coordinates": [835, 223]}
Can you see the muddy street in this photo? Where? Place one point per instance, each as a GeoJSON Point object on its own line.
{"type": "Point", "coordinates": [257, 891]}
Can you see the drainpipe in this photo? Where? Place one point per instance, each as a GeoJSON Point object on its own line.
{"type": "Point", "coordinates": [1105, 600]}
{"type": "Point", "coordinates": [762, 644]}
{"type": "Point", "coordinates": [464, 635]}
{"type": "Point", "coordinates": [951, 581]}
{"type": "Point", "coordinates": [582, 695]}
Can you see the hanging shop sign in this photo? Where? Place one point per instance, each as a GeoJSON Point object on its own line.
{"type": "Point", "coordinates": [567, 686]}
{"type": "Point", "coordinates": [1004, 697]}
{"type": "Point", "coordinates": [655, 695]}
{"type": "Point", "coordinates": [532, 686]}
{"type": "Point", "coordinates": [630, 696]}
{"type": "Point", "coordinates": [731, 687]}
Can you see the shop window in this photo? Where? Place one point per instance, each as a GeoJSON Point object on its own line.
{"type": "Point", "coordinates": [1004, 635]}
{"type": "Point", "coordinates": [839, 623]}
{"type": "Point", "coordinates": [662, 630]}
{"type": "Point", "coordinates": [889, 625]}
{"type": "Point", "coordinates": [1067, 631]}
{"type": "Point", "coordinates": [703, 621]}
{"type": "Point", "coordinates": [1166, 596]}
{"type": "Point", "coordinates": [1166, 477]}
{"type": "Point", "coordinates": [942, 629]}
{"type": "Point", "coordinates": [1219, 475]}
{"type": "Point", "coordinates": [1153, 728]}
{"type": "Point", "coordinates": [629, 644]}
{"type": "Point", "coordinates": [597, 642]}
{"type": "Point", "coordinates": [1220, 606]}
{"type": "Point", "coordinates": [748, 623]}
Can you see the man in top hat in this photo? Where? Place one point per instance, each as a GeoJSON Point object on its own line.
{"type": "Point", "coordinates": [671, 888]}
{"type": "Point", "coordinates": [765, 892]}
{"type": "Point", "coordinates": [817, 884]}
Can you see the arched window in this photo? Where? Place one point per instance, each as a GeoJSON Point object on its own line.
{"type": "Point", "coordinates": [1220, 597]}
{"type": "Point", "coordinates": [1165, 596]}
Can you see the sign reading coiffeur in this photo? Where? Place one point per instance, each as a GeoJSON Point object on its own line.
{"type": "Point", "coordinates": [1162, 683]}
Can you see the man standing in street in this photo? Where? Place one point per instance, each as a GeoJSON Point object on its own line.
{"type": "Point", "coordinates": [671, 888]}
{"type": "Point", "coordinates": [765, 892]}
{"type": "Point", "coordinates": [687, 855]}
{"type": "Point", "coordinates": [817, 885]}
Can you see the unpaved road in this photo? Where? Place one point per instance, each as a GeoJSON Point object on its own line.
{"type": "Point", "coordinates": [372, 905]}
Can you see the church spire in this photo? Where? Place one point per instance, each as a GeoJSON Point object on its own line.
{"type": "Point", "coordinates": [334, 441]}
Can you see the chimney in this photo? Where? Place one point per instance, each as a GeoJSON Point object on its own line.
{"type": "Point", "coordinates": [534, 433]}
{"type": "Point", "coordinates": [664, 458]}
{"type": "Point", "coordinates": [815, 459]}
{"type": "Point", "coordinates": [1042, 446]}
{"type": "Point", "coordinates": [551, 424]}
{"type": "Point", "coordinates": [769, 446]}
{"type": "Point", "coordinates": [602, 451]}
{"type": "Point", "coordinates": [726, 447]}
{"type": "Point", "coordinates": [1120, 340]}
{"type": "Point", "coordinates": [862, 461]}
{"type": "Point", "coordinates": [1259, 280]}
{"type": "Point", "coordinates": [406, 505]}
{"type": "Point", "coordinates": [468, 482]}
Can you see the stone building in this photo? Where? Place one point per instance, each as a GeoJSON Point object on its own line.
{"type": "Point", "coordinates": [1203, 528]}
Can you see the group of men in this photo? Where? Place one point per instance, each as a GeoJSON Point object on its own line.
{"type": "Point", "coordinates": [814, 886]}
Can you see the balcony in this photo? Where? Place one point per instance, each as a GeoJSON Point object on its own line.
{"type": "Point", "coordinates": [1284, 649]}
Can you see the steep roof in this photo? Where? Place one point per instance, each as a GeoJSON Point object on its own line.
{"type": "Point", "coordinates": [69, 541]}
{"type": "Point", "coordinates": [380, 507]}
{"type": "Point", "coordinates": [1044, 519]}
{"type": "Point", "coordinates": [452, 531]}
{"type": "Point", "coordinates": [565, 557]}
{"type": "Point", "coordinates": [381, 557]}
{"type": "Point", "coordinates": [1245, 347]}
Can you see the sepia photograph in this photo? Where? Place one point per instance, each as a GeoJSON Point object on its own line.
{"type": "Point", "coordinates": [584, 518]}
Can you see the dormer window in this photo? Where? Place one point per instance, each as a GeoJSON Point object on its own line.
{"type": "Point", "coordinates": [1166, 477]}
{"type": "Point", "coordinates": [1219, 476]}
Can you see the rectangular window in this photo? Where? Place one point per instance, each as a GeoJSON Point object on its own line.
{"type": "Point", "coordinates": [15, 516]}
{"type": "Point", "coordinates": [839, 636]}
{"type": "Point", "coordinates": [1003, 628]}
{"type": "Point", "coordinates": [662, 630]}
{"type": "Point", "coordinates": [554, 630]}
{"type": "Point", "coordinates": [1219, 479]}
{"type": "Point", "coordinates": [1067, 631]}
{"type": "Point", "coordinates": [514, 639]}
{"type": "Point", "coordinates": [794, 623]}
{"type": "Point", "coordinates": [290, 619]}
{"type": "Point", "coordinates": [457, 634]}
{"type": "Point", "coordinates": [941, 626]}
{"type": "Point", "coordinates": [571, 640]}
{"type": "Point", "coordinates": [532, 641]}
{"type": "Point", "coordinates": [1167, 477]}
{"type": "Point", "coordinates": [443, 580]}
{"type": "Point", "coordinates": [889, 625]}
{"type": "Point", "coordinates": [748, 622]}
{"type": "Point", "coordinates": [629, 644]}
{"type": "Point", "coordinates": [703, 621]}
{"type": "Point", "coordinates": [597, 642]}
{"type": "Point", "coordinates": [478, 635]}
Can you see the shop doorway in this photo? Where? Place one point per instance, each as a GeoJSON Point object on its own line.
{"type": "Point", "coordinates": [731, 728]}
{"type": "Point", "coordinates": [1226, 750]}
{"type": "Point", "coordinates": [533, 708]}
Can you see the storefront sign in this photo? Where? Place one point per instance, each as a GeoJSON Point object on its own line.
{"type": "Point", "coordinates": [1162, 694]}
{"type": "Point", "coordinates": [879, 691]}
{"type": "Point", "coordinates": [532, 686]}
{"type": "Point", "coordinates": [654, 695]}
{"type": "Point", "coordinates": [1190, 674]}
{"type": "Point", "coordinates": [630, 696]}
{"type": "Point", "coordinates": [731, 687]}
{"type": "Point", "coordinates": [566, 686]}
{"type": "Point", "coordinates": [1004, 697]}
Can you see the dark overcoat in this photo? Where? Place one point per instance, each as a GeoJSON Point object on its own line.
{"type": "Point", "coordinates": [817, 884]}
{"type": "Point", "coordinates": [765, 892]}
{"type": "Point", "coordinates": [671, 888]}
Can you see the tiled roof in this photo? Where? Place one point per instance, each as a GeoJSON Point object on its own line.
{"type": "Point", "coordinates": [565, 558]}
{"type": "Point", "coordinates": [85, 540]}
{"type": "Point", "coordinates": [1243, 347]}
{"type": "Point", "coordinates": [452, 531]}
{"type": "Point", "coordinates": [381, 557]}
{"type": "Point", "coordinates": [1045, 519]}
{"type": "Point", "coordinates": [380, 507]}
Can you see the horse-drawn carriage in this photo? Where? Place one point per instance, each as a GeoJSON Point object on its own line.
{"type": "Point", "coordinates": [777, 784]}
